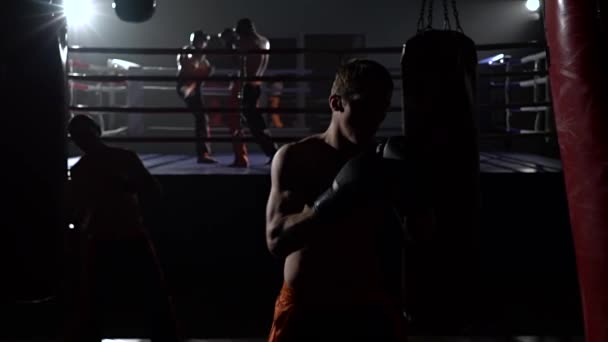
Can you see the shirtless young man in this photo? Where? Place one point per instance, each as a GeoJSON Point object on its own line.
{"type": "Point", "coordinates": [192, 65]}
{"type": "Point", "coordinates": [327, 216]}
{"type": "Point", "coordinates": [252, 65]}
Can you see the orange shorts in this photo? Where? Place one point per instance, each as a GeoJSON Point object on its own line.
{"type": "Point", "coordinates": [309, 319]}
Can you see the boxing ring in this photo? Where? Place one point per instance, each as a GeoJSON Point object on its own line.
{"type": "Point", "coordinates": [120, 89]}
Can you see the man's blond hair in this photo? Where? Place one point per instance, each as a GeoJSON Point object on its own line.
{"type": "Point", "coordinates": [362, 75]}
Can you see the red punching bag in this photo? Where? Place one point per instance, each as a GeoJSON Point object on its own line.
{"type": "Point", "coordinates": [578, 74]}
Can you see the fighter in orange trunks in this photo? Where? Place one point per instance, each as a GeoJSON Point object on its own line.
{"type": "Point", "coordinates": [330, 219]}
{"type": "Point", "coordinates": [274, 101]}
{"type": "Point", "coordinates": [193, 65]}
{"type": "Point", "coordinates": [214, 92]}
{"type": "Point", "coordinates": [229, 39]}
{"type": "Point", "coordinates": [249, 93]}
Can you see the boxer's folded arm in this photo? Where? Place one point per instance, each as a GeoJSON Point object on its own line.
{"type": "Point", "coordinates": [290, 223]}
{"type": "Point", "coordinates": [289, 232]}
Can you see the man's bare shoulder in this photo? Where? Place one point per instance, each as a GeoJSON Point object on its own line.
{"type": "Point", "coordinates": [298, 154]}
{"type": "Point", "coordinates": [123, 157]}
{"type": "Point", "coordinates": [309, 146]}
{"type": "Point", "coordinates": [263, 42]}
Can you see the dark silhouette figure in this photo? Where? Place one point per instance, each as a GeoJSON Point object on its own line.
{"type": "Point", "coordinates": [190, 64]}
{"type": "Point", "coordinates": [120, 279]}
{"type": "Point", "coordinates": [249, 91]}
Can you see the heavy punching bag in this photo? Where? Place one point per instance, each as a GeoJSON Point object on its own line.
{"type": "Point", "coordinates": [578, 71]}
{"type": "Point", "coordinates": [135, 11]}
{"type": "Point", "coordinates": [439, 69]}
{"type": "Point", "coordinates": [33, 146]}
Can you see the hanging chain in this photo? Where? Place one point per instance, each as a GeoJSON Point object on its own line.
{"type": "Point", "coordinates": [421, 17]}
{"type": "Point", "coordinates": [446, 16]}
{"type": "Point", "coordinates": [430, 14]}
{"type": "Point", "coordinates": [456, 17]}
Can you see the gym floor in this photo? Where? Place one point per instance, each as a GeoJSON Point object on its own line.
{"type": "Point", "coordinates": [181, 164]}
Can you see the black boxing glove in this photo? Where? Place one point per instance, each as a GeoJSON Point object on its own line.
{"type": "Point", "coordinates": [407, 185]}
{"type": "Point", "coordinates": [358, 183]}
{"type": "Point", "coordinates": [393, 148]}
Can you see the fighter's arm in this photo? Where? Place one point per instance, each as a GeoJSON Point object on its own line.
{"type": "Point", "coordinates": [397, 170]}
{"type": "Point", "coordinates": [408, 189]}
{"type": "Point", "coordinates": [208, 68]}
{"type": "Point", "coordinates": [182, 59]}
{"type": "Point", "coordinates": [265, 58]}
{"type": "Point", "coordinates": [178, 62]}
{"type": "Point", "coordinates": [290, 222]}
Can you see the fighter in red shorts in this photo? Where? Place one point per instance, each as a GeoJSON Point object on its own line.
{"type": "Point", "coordinates": [248, 93]}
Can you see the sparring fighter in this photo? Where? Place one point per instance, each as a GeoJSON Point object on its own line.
{"type": "Point", "coordinates": [249, 92]}
{"type": "Point", "coordinates": [330, 218]}
{"type": "Point", "coordinates": [210, 89]}
{"type": "Point", "coordinates": [230, 39]}
{"type": "Point", "coordinates": [105, 194]}
{"type": "Point", "coordinates": [193, 65]}
{"type": "Point", "coordinates": [224, 40]}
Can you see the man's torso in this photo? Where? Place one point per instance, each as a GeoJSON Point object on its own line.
{"type": "Point", "coordinates": [191, 65]}
{"type": "Point", "coordinates": [255, 64]}
{"type": "Point", "coordinates": [346, 256]}
{"type": "Point", "coordinates": [109, 206]}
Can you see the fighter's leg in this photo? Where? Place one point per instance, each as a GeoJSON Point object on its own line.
{"type": "Point", "coordinates": [234, 123]}
{"type": "Point", "coordinates": [201, 128]}
{"type": "Point", "coordinates": [274, 102]}
{"type": "Point", "coordinates": [255, 121]}
{"type": "Point", "coordinates": [215, 118]}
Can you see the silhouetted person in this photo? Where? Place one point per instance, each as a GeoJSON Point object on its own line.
{"type": "Point", "coordinates": [251, 66]}
{"type": "Point", "coordinates": [120, 273]}
{"type": "Point", "coordinates": [190, 64]}
{"type": "Point", "coordinates": [330, 217]}
{"type": "Point", "coordinates": [215, 92]}
{"type": "Point", "coordinates": [229, 39]}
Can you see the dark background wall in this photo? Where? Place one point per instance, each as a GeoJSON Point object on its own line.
{"type": "Point", "coordinates": [383, 22]}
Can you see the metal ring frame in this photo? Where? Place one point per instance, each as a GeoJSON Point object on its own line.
{"type": "Point", "coordinates": [285, 78]}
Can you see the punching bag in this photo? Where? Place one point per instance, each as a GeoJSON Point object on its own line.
{"type": "Point", "coordinates": [578, 73]}
{"type": "Point", "coordinates": [135, 11]}
{"type": "Point", "coordinates": [439, 69]}
{"type": "Point", "coordinates": [34, 148]}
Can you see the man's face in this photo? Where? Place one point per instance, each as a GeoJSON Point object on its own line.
{"type": "Point", "coordinates": [362, 113]}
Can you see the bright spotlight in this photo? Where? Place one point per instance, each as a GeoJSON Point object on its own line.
{"type": "Point", "coordinates": [78, 12]}
{"type": "Point", "coordinates": [533, 5]}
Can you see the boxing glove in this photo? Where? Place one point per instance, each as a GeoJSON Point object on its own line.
{"type": "Point", "coordinates": [393, 148]}
{"type": "Point", "coordinates": [407, 183]}
{"type": "Point", "coordinates": [358, 183]}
